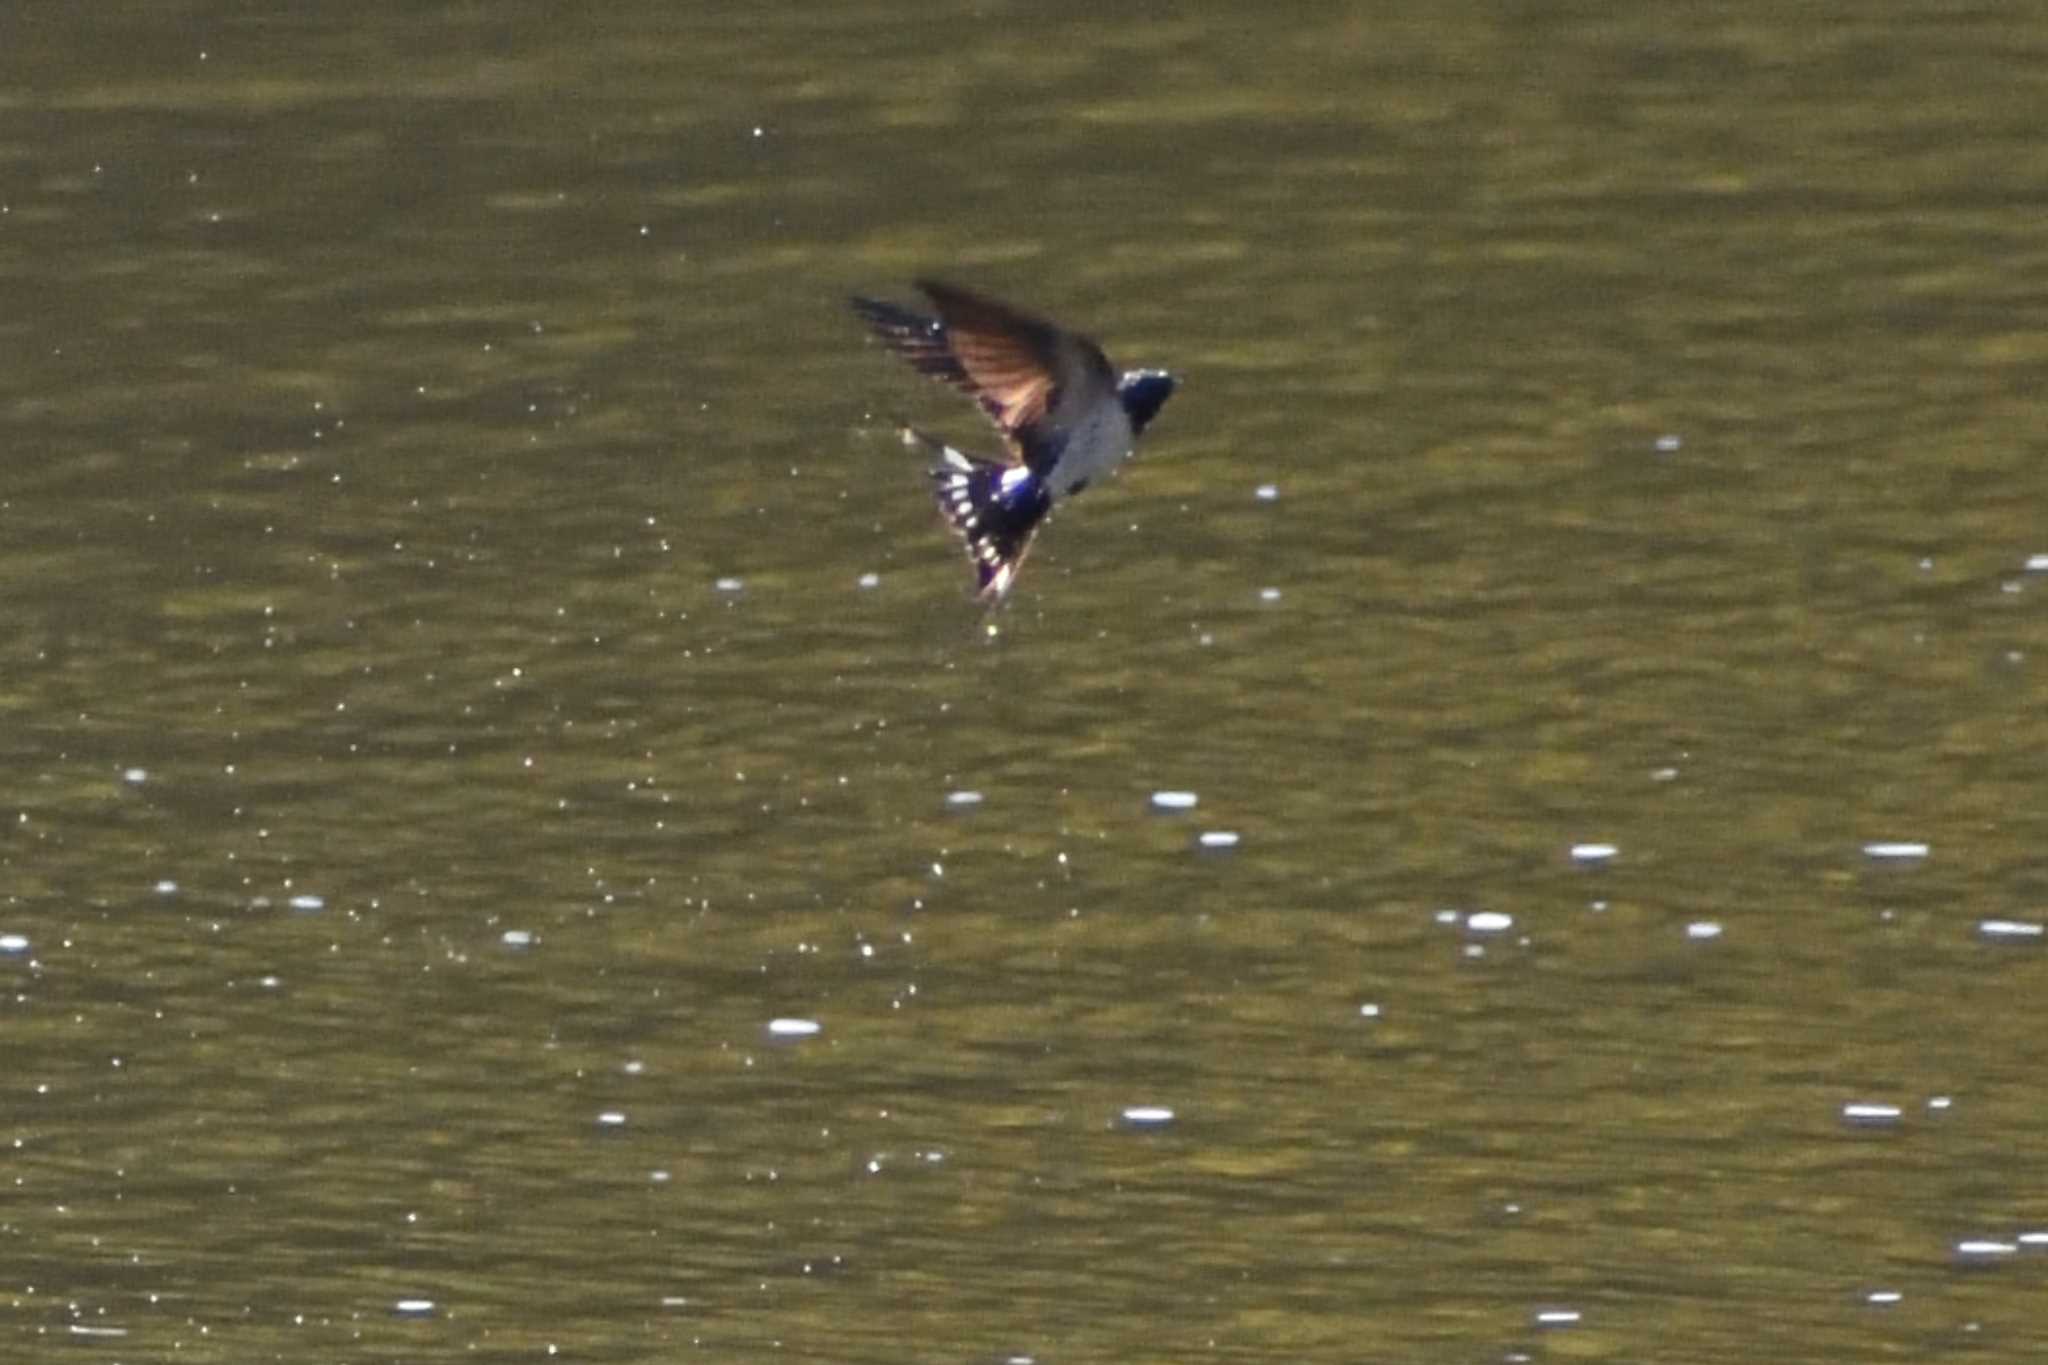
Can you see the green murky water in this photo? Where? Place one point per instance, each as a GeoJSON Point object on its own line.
{"type": "Point", "coordinates": [1653, 399]}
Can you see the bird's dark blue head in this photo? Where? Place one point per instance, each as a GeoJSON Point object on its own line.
{"type": "Point", "coordinates": [1143, 392]}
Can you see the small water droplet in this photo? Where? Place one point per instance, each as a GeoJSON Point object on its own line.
{"type": "Point", "coordinates": [1863, 1115]}
{"type": "Point", "coordinates": [1984, 1251]}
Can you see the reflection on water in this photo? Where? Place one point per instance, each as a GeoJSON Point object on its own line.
{"type": "Point", "coordinates": [480, 660]}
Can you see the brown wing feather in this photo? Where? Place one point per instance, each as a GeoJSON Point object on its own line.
{"type": "Point", "coordinates": [918, 339]}
{"type": "Point", "coordinates": [1013, 358]}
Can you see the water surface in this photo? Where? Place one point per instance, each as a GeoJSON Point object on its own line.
{"type": "Point", "coordinates": [1652, 402]}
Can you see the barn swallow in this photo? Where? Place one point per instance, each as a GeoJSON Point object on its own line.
{"type": "Point", "coordinates": [1066, 415]}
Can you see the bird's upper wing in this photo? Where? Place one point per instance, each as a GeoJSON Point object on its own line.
{"type": "Point", "coordinates": [1008, 357]}
{"type": "Point", "coordinates": [1016, 366]}
{"type": "Point", "coordinates": [1016, 361]}
{"type": "Point", "coordinates": [918, 339]}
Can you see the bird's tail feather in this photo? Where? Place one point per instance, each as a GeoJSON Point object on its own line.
{"type": "Point", "coordinates": [994, 507]}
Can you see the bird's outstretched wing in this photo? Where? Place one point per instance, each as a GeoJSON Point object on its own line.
{"type": "Point", "coordinates": [1020, 368]}
{"type": "Point", "coordinates": [918, 339]}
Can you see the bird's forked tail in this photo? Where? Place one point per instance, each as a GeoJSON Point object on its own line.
{"type": "Point", "coordinates": [992, 506]}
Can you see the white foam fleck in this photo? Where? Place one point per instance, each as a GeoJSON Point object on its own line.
{"type": "Point", "coordinates": [794, 1028]}
{"type": "Point", "coordinates": [1985, 1249]}
{"type": "Point", "coordinates": [1174, 801]}
{"type": "Point", "coordinates": [1863, 1115]}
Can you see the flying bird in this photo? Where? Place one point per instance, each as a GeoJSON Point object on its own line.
{"type": "Point", "coordinates": [1066, 415]}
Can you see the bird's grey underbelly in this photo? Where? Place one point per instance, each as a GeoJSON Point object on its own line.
{"type": "Point", "coordinates": [1094, 447]}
